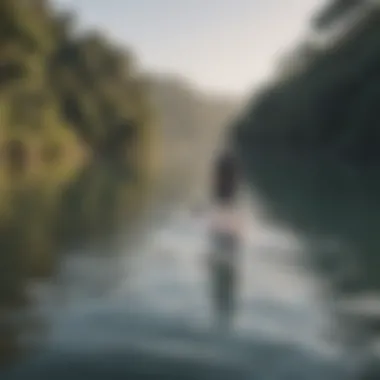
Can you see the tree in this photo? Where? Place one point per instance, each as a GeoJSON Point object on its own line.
{"type": "Point", "coordinates": [335, 11]}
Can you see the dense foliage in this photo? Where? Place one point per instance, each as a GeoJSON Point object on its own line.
{"type": "Point", "coordinates": [310, 144]}
{"type": "Point", "coordinates": [61, 90]}
{"type": "Point", "coordinates": [326, 100]}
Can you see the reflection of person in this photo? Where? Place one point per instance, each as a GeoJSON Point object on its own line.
{"type": "Point", "coordinates": [224, 235]}
{"type": "Point", "coordinates": [223, 274]}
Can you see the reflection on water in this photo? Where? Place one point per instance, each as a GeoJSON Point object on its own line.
{"type": "Point", "coordinates": [223, 274]}
{"type": "Point", "coordinates": [335, 209]}
{"type": "Point", "coordinates": [42, 216]}
{"type": "Point", "coordinates": [101, 306]}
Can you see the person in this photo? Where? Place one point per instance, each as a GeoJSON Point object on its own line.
{"type": "Point", "coordinates": [225, 183]}
{"type": "Point", "coordinates": [225, 191]}
{"type": "Point", "coordinates": [224, 235]}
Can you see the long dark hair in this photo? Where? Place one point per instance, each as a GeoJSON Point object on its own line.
{"type": "Point", "coordinates": [225, 176]}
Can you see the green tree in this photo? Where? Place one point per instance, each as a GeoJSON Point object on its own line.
{"type": "Point", "coordinates": [328, 106]}
{"type": "Point", "coordinates": [63, 88]}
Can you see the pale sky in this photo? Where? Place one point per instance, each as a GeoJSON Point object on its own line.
{"type": "Point", "coordinates": [220, 45]}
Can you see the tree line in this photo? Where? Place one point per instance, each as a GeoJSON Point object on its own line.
{"type": "Point", "coordinates": [324, 96]}
{"type": "Point", "coordinates": [65, 91]}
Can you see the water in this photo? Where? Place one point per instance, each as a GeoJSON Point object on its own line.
{"type": "Point", "coordinates": [155, 317]}
{"type": "Point", "coordinates": [139, 305]}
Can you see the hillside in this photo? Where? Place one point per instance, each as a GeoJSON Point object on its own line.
{"type": "Point", "coordinates": [310, 144]}
{"type": "Point", "coordinates": [327, 104]}
{"type": "Point", "coordinates": [64, 94]}
{"type": "Point", "coordinates": [69, 95]}
{"type": "Point", "coordinates": [191, 124]}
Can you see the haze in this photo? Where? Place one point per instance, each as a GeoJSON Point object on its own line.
{"type": "Point", "coordinates": [220, 45]}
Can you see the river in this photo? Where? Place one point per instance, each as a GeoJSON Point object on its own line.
{"type": "Point", "coordinates": [144, 309]}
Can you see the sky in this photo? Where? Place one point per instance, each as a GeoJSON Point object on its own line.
{"type": "Point", "coordinates": [225, 46]}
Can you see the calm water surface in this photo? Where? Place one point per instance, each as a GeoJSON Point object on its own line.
{"type": "Point", "coordinates": [136, 302]}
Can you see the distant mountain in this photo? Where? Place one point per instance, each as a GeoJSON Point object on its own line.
{"type": "Point", "coordinates": [191, 124]}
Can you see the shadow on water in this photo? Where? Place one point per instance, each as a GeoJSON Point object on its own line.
{"type": "Point", "coordinates": [335, 209]}
{"type": "Point", "coordinates": [43, 218]}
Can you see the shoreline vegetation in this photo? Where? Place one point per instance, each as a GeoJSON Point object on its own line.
{"type": "Point", "coordinates": [87, 139]}
{"type": "Point", "coordinates": [309, 142]}
{"type": "Point", "coordinates": [67, 98]}
{"type": "Point", "coordinates": [77, 145]}
{"type": "Point", "coordinates": [323, 97]}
